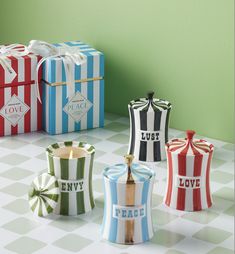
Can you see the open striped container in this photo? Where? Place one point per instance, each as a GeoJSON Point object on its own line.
{"type": "Point", "coordinates": [74, 176]}
{"type": "Point", "coordinates": [149, 119]}
{"type": "Point", "coordinates": [128, 194]}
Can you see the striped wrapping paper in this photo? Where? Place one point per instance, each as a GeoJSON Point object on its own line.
{"type": "Point", "coordinates": [89, 89]}
{"type": "Point", "coordinates": [188, 184]}
{"type": "Point", "coordinates": [127, 212]}
{"type": "Point", "coordinates": [149, 119]}
{"type": "Point", "coordinates": [20, 110]}
{"type": "Point", "coordinates": [74, 177]}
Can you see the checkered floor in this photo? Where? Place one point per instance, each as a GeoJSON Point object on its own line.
{"type": "Point", "coordinates": [22, 158]}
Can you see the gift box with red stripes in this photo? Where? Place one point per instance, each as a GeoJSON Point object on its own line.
{"type": "Point", "coordinates": [20, 108]}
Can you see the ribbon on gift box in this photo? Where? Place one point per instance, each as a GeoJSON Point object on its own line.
{"type": "Point", "coordinates": [16, 50]}
{"type": "Point", "coordinates": [68, 55]}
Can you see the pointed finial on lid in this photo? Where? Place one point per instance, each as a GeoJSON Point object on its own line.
{"type": "Point", "coordinates": [190, 134]}
{"type": "Point", "coordinates": [129, 158]}
{"type": "Point", "coordinates": [150, 95]}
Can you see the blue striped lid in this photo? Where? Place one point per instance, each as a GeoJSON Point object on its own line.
{"type": "Point", "coordinates": [119, 173]}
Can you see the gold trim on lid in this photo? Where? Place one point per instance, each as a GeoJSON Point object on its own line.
{"type": "Point", "coordinates": [130, 200]}
{"type": "Point", "coordinates": [129, 158]}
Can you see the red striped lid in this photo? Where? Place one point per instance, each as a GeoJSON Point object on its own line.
{"type": "Point", "coordinates": [189, 146]}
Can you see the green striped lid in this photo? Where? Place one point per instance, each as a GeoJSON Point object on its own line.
{"type": "Point", "coordinates": [43, 194]}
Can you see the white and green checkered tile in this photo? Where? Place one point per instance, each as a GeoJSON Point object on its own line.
{"type": "Point", "coordinates": [22, 158]}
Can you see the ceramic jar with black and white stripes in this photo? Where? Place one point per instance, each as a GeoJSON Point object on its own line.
{"type": "Point", "coordinates": [127, 211]}
{"type": "Point", "coordinates": [149, 119]}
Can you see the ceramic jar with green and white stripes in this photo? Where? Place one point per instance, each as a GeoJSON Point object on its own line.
{"type": "Point", "coordinates": [74, 176]}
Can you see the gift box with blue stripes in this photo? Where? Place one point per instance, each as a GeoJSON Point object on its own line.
{"type": "Point", "coordinates": [83, 107]}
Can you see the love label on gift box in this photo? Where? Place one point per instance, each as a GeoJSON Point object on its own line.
{"type": "Point", "coordinates": [20, 109]}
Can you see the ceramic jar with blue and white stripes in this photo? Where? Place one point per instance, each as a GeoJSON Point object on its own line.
{"type": "Point", "coordinates": [127, 212]}
{"type": "Point", "coordinates": [149, 119]}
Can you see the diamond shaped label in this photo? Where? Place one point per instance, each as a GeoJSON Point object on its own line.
{"type": "Point", "coordinates": [14, 110]}
{"type": "Point", "coordinates": [77, 106]}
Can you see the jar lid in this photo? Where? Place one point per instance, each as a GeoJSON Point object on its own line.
{"type": "Point", "coordinates": [189, 146]}
{"type": "Point", "coordinates": [128, 172]}
{"type": "Point", "coordinates": [43, 194]}
{"type": "Point", "coordinates": [150, 104]}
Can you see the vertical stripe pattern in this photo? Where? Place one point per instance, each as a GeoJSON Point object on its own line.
{"type": "Point", "coordinates": [188, 162]}
{"type": "Point", "coordinates": [127, 209]}
{"type": "Point", "coordinates": [149, 119]}
{"type": "Point", "coordinates": [23, 87]}
{"type": "Point", "coordinates": [74, 177]}
{"type": "Point", "coordinates": [56, 117]}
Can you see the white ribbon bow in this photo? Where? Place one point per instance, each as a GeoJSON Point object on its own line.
{"type": "Point", "coordinates": [68, 55]}
{"type": "Point", "coordinates": [16, 50]}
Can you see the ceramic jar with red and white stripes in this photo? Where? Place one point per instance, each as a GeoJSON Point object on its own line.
{"type": "Point", "coordinates": [188, 180]}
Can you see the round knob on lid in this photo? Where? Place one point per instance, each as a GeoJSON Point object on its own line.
{"type": "Point", "coordinates": [150, 95]}
{"type": "Point", "coordinates": [129, 158]}
{"type": "Point", "coordinates": [190, 134]}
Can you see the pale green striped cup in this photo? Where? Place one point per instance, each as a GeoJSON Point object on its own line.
{"type": "Point", "coordinates": [71, 163]}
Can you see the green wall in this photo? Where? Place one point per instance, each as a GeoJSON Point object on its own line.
{"type": "Point", "coordinates": [181, 49]}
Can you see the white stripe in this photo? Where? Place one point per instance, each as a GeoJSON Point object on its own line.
{"type": "Point", "coordinates": [121, 225]}
{"type": "Point", "coordinates": [96, 88]}
{"type": "Point", "coordinates": [137, 128]}
{"type": "Point", "coordinates": [86, 193]}
{"type": "Point", "coordinates": [189, 192]}
{"type": "Point", "coordinates": [71, 122]}
{"type": "Point", "coordinates": [162, 134]}
{"type": "Point", "coordinates": [84, 118]}
{"type": "Point", "coordinates": [47, 64]}
{"type": "Point", "coordinates": [7, 124]}
{"type": "Point", "coordinates": [203, 183]}
{"type": "Point", "coordinates": [34, 108]}
{"type": "Point", "coordinates": [96, 64]}
{"type": "Point", "coordinates": [84, 91]}
{"type": "Point", "coordinates": [8, 78]}
{"type": "Point", "coordinates": [138, 222]}
{"type": "Point", "coordinates": [149, 208]}
{"type": "Point", "coordinates": [108, 208]}
{"type": "Point", "coordinates": [21, 72]}
{"type": "Point", "coordinates": [57, 172]}
{"type": "Point", "coordinates": [34, 62]}
{"type": "Point", "coordinates": [96, 104]}
{"type": "Point", "coordinates": [47, 99]}
{"type": "Point", "coordinates": [130, 135]}
{"type": "Point", "coordinates": [20, 124]}
{"type": "Point", "coordinates": [175, 171]}
{"type": "Point", "coordinates": [150, 127]}
{"type": "Point", "coordinates": [72, 195]}
{"type": "Point", "coordinates": [59, 98]}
